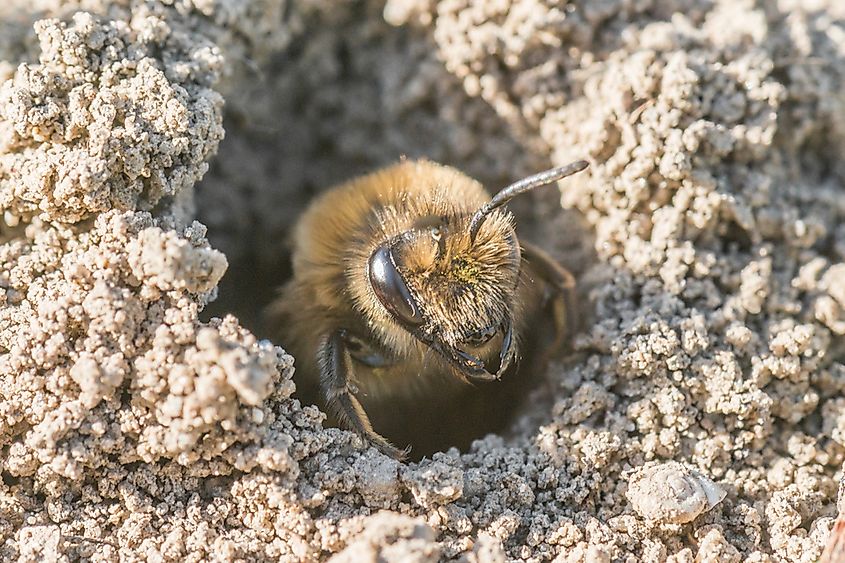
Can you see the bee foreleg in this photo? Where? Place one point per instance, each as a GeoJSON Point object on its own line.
{"type": "Point", "coordinates": [338, 388]}
{"type": "Point", "coordinates": [509, 348]}
{"type": "Point", "coordinates": [562, 299]}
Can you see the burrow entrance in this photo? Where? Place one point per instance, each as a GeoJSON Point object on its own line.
{"type": "Point", "coordinates": [313, 118]}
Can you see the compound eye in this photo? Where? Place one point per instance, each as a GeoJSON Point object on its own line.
{"type": "Point", "coordinates": [390, 288]}
{"type": "Point", "coordinates": [481, 337]}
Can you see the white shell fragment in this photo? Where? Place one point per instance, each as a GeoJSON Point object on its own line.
{"type": "Point", "coordinates": [671, 493]}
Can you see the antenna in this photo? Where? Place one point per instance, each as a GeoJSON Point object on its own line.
{"type": "Point", "coordinates": [520, 187]}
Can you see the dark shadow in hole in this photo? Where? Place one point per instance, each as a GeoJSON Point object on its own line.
{"type": "Point", "coordinates": [8, 479]}
{"type": "Point", "coordinates": [246, 288]}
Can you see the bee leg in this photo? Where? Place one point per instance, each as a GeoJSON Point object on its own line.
{"type": "Point", "coordinates": [508, 350]}
{"type": "Point", "coordinates": [562, 299]}
{"type": "Point", "coordinates": [338, 389]}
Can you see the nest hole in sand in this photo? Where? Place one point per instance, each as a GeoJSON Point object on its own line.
{"type": "Point", "coordinates": [309, 119]}
{"type": "Point", "coordinates": [260, 267]}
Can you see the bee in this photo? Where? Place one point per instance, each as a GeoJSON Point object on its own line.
{"type": "Point", "coordinates": [408, 284]}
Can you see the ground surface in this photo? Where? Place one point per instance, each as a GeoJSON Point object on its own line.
{"type": "Point", "coordinates": [709, 235]}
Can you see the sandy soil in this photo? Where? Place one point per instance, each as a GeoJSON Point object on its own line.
{"type": "Point", "coordinates": [702, 415]}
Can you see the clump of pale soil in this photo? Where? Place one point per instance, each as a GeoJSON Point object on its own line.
{"type": "Point", "coordinates": [708, 237]}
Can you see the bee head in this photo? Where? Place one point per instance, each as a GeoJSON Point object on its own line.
{"type": "Point", "coordinates": [451, 292]}
{"type": "Point", "coordinates": [451, 281]}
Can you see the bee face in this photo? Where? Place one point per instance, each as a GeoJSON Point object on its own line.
{"type": "Point", "coordinates": [451, 292]}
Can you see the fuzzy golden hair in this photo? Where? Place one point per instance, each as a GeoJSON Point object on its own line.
{"type": "Point", "coordinates": [466, 289]}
